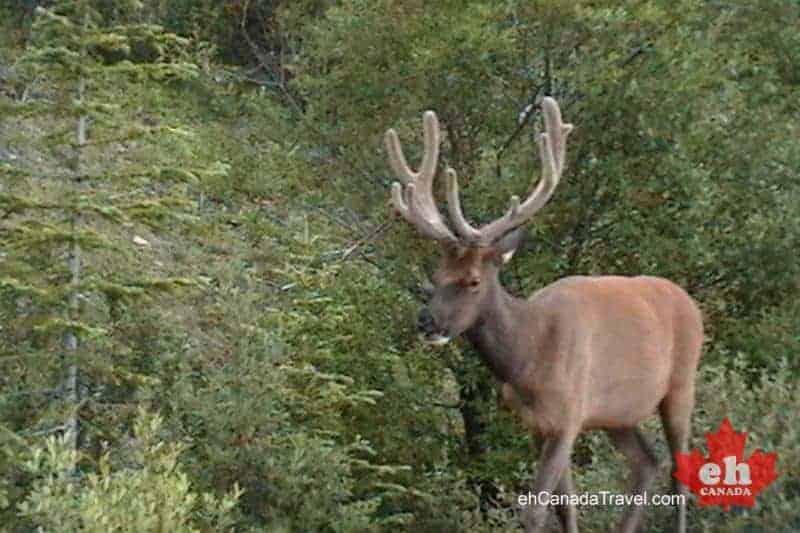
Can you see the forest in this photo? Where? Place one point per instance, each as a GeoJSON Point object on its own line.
{"type": "Point", "coordinates": [208, 306]}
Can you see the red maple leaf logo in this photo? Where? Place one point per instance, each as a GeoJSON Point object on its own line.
{"type": "Point", "coordinates": [724, 477]}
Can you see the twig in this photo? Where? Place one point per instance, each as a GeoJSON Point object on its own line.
{"type": "Point", "coordinates": [380, 229]}
{"type": "Point", "coordinates": [42, 432]}
{"type": "Point", "coordinates": [281, 84]}
{"type": "Point", "coordinates": [520, 126]}
{"type": "Point", "coordinates": [448, 405]}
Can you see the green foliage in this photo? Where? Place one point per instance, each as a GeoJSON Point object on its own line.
{"type": "Point", "coordinates": [242, 280]}
{"type": "Point", "coordinates": [80, 188]}
{"type": "Point", "coordinates": [140, 488]}
{"type": "Point", "coordinates": [658, 181]}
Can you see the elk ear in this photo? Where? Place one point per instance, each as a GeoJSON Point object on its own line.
{"type": "Point", "coordinates": [505, 248]}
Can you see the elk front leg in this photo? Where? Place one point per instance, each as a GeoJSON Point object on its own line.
{"type": "Point", "coordinates": [553, 464]}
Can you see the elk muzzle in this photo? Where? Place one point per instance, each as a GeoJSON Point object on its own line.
{"type": "Point", "coordinates": [432, 334]}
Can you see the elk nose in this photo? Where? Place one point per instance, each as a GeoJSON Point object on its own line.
{"type": "Point", "coordinates": [425, 322]}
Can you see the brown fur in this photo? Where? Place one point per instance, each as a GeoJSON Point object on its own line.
{"type": "Point", "coordinates": [582, 353]}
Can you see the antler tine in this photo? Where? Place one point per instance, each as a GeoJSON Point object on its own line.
{"type": "Point", "coordinates": [557, 130]}
{"type": "Point", "coordinates": [552, 151]}
{"type": "Point", "coordinates": [415, 202]}
{"type": "Point", "coordinates": [463, 228]}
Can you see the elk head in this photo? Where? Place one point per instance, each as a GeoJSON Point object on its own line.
{"type": "Point", "coordinates": [466, 281]}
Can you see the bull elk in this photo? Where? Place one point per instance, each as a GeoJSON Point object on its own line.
{"type": "Point", "coordinates": [583, 353]}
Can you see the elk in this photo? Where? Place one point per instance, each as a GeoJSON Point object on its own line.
{"type": "Point", "coordinates": [583, 353]}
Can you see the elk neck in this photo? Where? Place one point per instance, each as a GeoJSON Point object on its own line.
{"type": "Point", "coordinates": [496, 334]}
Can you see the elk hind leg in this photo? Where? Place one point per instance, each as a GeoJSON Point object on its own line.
{"type": "Point", "coordinates": [644, 465]}
{"type": "Point", "coordinates": [676, 411]}
{"type": "Point", "coordinates": [567, 513]}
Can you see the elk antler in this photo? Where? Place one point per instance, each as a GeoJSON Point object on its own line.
{"type": "Point", "coordinates": [552, 150]}
{"type": "Point", "coordinates": [415, 201]}
{"type": "Point", "coordinates": [417, 205]}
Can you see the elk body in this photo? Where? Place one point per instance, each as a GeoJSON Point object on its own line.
{"type": "Point", "coordinates": [584, 353]}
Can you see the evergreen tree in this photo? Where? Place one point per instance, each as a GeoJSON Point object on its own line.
{"type": "Point", "coordinates": [74, 268]}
